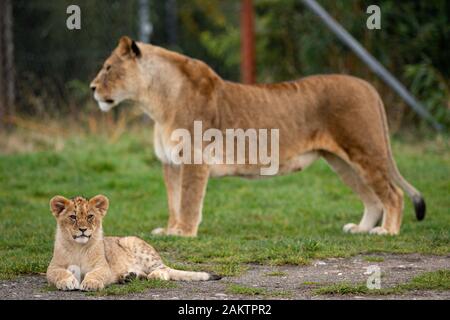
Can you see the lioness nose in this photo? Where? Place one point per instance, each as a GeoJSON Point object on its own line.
{"type": "Point", "coordinates": [93, 88]}
{"type": "Point", "coordinates": [82, 229]}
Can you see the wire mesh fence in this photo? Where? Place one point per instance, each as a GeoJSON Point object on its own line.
{"type": "Point", "coordinates": [54, 64]}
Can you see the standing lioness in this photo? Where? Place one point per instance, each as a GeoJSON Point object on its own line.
{"type": "Point", "coordinates": [339, 118]}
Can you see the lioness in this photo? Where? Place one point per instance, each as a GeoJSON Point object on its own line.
{"type": "Point", "coordinates": [337, 117]}
{"type": "Point", "coordinates": [83, 259]}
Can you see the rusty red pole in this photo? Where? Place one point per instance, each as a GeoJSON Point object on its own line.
{"type": "Point", "coordinates": [247, 42]}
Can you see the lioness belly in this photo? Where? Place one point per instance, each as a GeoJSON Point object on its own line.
{"type": "Point", "coordinates": [286, 166]}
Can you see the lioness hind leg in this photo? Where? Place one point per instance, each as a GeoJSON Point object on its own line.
{"type": "Point", "coordinates": [375, 173]}
{"type": "Point", "coordinates": [159, 274]}
{"type": "Point", "coordinates": [392, 198]}
{"type": "Point", "coordinates": [127, 277]}
{"type": "Point", "coordinates": [373, 207]}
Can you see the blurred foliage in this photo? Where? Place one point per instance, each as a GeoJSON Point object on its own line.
{"type": "Point", "coordinates": [54, 65]}
{"type": "Point", "coordinates": [428, 83]}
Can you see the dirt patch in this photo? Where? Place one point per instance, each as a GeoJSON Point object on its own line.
{"type": "Point", "coordinates": [269, 282]}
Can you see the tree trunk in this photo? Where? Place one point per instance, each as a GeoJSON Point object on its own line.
{"type": "Point", "coordinates": [247, 42]}
{"type": "Point", "coordinates": [7, 79]}
{"type": "Point", "coordinates": [145, 25]}
{"type": "Point", "coordinates": [7, 72]}
{"type": "Point", "coordinates": [172, 23]}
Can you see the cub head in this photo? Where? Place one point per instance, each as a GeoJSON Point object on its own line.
{"type": "Point", "coordinates": [118, 80]}
{"type": "Point", "coordinates": [79, 219]}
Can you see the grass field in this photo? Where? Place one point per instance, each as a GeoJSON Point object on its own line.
{"type": "Point", "coordinates": [283, 220]}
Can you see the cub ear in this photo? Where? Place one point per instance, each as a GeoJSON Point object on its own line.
{"type": "Point", "coordinates": [101, 203]}
{"type": "Point", "coordinates": [58, 204]}
{"type": "Point", "coordinates": [129, 47]}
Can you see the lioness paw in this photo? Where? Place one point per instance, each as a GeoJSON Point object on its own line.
{"type": "Point", "coordinates": [175, 231]}
{"type": "Point", "coordinates": [379, 231]}
{"type": "Point", "coordinates": [351, 228]}
{"type": "Point", "coordinates": [70, 283]}
{"type": "Point", "coordinates": [181, 232]}
{"type": "Point", "coordinates": [91, 285]}
{"type": "Point", "coordinates": [159, 231]}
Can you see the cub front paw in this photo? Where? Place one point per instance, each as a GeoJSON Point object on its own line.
{"type": "Point", "coordinates": [70, 283]}
{"type": "Point", "coordinates": [91, 285]}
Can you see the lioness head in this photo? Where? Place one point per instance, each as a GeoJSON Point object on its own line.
{"type": "Point", "coordinates": [152, 77]}
{"type": "Point", "coordinates": [79, 219]}
{"type": "Point", "coordinates": [118, 80]}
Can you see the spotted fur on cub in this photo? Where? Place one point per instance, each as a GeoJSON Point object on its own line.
{"type": "Point", "coordinates": [84, 259]}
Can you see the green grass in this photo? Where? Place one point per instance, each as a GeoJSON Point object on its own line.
{"type": "Point", "coordinates": [344, 289]}
{"type": "Point", "coordinates": [243, 290]}
{"type": "Point", "coordinates": [135, 286]}
{"type": "Point", "coordinates": [436, 280]}
{"type": "Point", "coordinates": [283, 220]}
{"type": "Point", "coordinates": [252, 291]}
{"type": "Point", "coordinates": [276, 274]}
{"type": "Point", "coordinates": [373, 259]}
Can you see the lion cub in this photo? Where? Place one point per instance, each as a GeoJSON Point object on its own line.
{"type": "Point", "coordinates": [84, 259]}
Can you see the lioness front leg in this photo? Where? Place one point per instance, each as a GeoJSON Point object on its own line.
{"type": "Point", "coordinates": [172, 180]}
{"type": "Point", "coordinates": [194, 179]}
{"type": "Point", "coordinates": [62, 279]}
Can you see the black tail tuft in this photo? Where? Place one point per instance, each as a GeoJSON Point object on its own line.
{"type": "Point", "coordinates": [420, 207]}
{"type": "Point", "coordinates": [213, 276]}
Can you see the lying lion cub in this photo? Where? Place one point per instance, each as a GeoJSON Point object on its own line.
{"type": "Point", "coordinates": [83, 259]}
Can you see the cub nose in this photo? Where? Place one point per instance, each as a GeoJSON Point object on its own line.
{"type": "Point", "coordinates": [82, 229]}
{"type": "Point", "coordinates": [93, 88]}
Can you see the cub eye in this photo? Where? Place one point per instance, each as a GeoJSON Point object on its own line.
{"type": "Point", "coordinates": [108, 67]}
{"type": "Point", "coordinates": [73, 217]}
{"type": "Point", "coordinates": [90, 217]}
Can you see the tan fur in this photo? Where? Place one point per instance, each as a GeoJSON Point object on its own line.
{"type": "Point", "coordinates": [338, 117]}
{"type": "Point", "coordinates": [93, 262]}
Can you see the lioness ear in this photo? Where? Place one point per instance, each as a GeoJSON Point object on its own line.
{"type": "Point", "coordinates": [135, 49]}
{"type": "Point", "coordinates": [101, 203]}
{"type": "Point", "coordinates": [58, 204]}
{"type": "Point", "coordinates": [128, 47]}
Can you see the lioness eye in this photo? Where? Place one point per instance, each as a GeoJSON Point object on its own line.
{"type": "Point", "coordinates": [108, 67]}
{"type": "Point", "coordinates": [73, 217]}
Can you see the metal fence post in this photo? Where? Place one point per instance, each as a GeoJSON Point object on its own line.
{"type": "Point", "coordinates": [371, 62]}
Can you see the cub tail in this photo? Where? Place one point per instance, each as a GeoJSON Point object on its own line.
{"type": "Point", "coordinates": [166, 273]}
